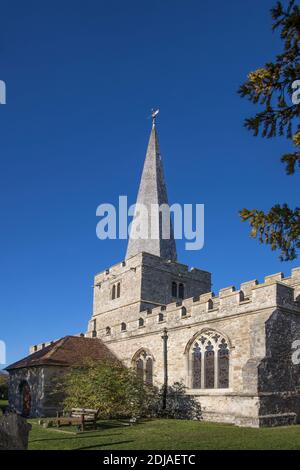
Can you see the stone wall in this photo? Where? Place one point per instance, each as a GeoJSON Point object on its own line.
{"type": "Point", "coordinates": [260, 322]}
{"type": "Point", "coordinates": [40, 381]}
{"type": "Point", "coordinates": [145, 282]}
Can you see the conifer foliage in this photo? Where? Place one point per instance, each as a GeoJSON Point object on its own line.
{"type": "Point", "coordinates": [271, 88]}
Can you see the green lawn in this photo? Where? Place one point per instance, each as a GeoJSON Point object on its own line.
{"type": "Point", "coordinates": [165, 435]}
{"type": "Point", "coordinates": [3, 404]}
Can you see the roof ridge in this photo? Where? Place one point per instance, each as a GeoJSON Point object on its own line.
{"type": "Point", "coordinates": [59, 344]}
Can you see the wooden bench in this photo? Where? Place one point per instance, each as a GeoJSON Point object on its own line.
{"type": "Point", "coordinates": [82, 417]}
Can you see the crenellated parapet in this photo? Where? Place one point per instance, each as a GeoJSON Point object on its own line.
{"type": "Point", "coordinates": [252, 296]}
{"type": "Point", "coordinates": [40, 346]}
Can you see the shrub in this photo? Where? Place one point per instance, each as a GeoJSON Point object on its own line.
{"type": "Point", "coordinates": [179, 405]}
{"type": "Point", "coordinates": [3, 387]}
{"type": "Point", "coordinates": [108, 387]}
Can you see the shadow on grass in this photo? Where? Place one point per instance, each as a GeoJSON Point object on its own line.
{"type": "Point", "coordinates": [97, 446]}
{"type": "Point", "coordinates": [74, 436]}
{"type": "Point", "coordinates": [89, 434]}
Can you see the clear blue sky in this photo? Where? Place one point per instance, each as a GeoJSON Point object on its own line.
{"type": "Point", "coordinates": [81, 79]}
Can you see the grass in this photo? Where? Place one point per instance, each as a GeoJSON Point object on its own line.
{"type": "Point", "coordinates": [164, 435]}
{"type": "Point", "coordinates": [3, 404]}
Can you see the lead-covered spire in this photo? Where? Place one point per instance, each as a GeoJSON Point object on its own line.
{"type": "Point", "coordinates": [152, 192]}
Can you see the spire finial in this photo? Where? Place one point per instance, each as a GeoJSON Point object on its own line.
{"type": "Point", "coordinates": [154, 113]}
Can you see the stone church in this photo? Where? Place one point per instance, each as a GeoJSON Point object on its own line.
{"type": "Point", "coordinates": [233, 350]}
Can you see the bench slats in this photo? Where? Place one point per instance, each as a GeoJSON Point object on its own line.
{"type": "Point", "coordinates": [80, 416]}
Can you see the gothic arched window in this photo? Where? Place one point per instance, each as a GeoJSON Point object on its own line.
{"type": "Point", "coordinates": [108, 330]}
{"type": "Point", "coordinates": [123, 326]}
{"type": "Point", "coordinates": [183, 311]}
{"type": "Point", "coordinates": [209, 361]}
{"type": "Point", "coordinates": [181, 291]}
{"type": "Point", "coordinates": [160, 317]}
{"type": "Point", "coordinates": [118, 289]}
{"type": "Point", "coordinates": [113, 292]}
{"type": "Point", "coordinates": [174, 289]}
{"type": "Point", "coordinates": [141, 322]}
{"type": "Point", "coordinates": [143, 363]}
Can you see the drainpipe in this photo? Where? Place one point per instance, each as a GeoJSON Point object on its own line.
{"type": "Point", "coordinates": [165, 353]}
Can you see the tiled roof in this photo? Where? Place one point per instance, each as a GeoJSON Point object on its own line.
{"type": "Point", "coordinates": [66, 351]}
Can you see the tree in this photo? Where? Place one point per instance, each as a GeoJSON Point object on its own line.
{"type": "Point", "coordinates": [108, 386]}
{"type": "Point", "coordinates": [271, 87]}
{"type": "Point", "coordinates": [3, 386]}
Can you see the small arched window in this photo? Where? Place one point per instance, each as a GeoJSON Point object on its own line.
{"type": "Point", "coordinates": [181, 291]}
{"type": "Point", "coordinates": [174, 289]}
{"type": "Point", "coordinates": [108, 330]}
{"type": "Point", "coordinates": [141, 322]}
{"type": "Point", "coordinates": [143, 363]}
{"type": "Point", "coordinates": [94, 330]}
{"type": "Point", "coordinates": [123, 326]}
{"type": "Point", "coordinates": [113, 292]}
{"type": "Point", "coordinates": [183, 312]}
{"type": "Point", "coordinates": [160, 317]}
{"type": "Point", "coordinates": [118, 290]}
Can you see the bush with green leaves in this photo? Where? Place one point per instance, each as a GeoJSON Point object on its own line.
{"type": "Point", "coordinates": [117, 392]}
{"type": "Point", "coordinates": [106, 386]}
{"type": "Point", "coordinates": [3, 387]}
{"type": "Point", "coordinates": [179, 405]}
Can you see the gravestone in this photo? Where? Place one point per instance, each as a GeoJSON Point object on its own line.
{"type": "Point", "coordinates": [14, 431]}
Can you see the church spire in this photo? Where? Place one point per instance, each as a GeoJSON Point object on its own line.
{"type": "Point", "coordinates": [152, 192]}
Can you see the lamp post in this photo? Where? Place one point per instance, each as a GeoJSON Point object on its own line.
{"type": "Point", "coordinates": [165, 353]}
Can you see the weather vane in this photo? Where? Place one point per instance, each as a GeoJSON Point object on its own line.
{"type": "Point", "coordinates": [154, 114]}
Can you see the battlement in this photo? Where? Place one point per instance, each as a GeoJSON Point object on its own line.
{"type": "Point", "coordinates": [38, 347]}
{"type": "Point", "coordinates": [275, 291]}
{"type": "Point", "coordinates": [149, 260]}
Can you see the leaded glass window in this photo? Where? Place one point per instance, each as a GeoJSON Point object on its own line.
{"type": "Point", "coordinates": [209, 364]}
{"type": "Point", "coordinates": [149, 373]}
{"type": "Point", "coordinates": [196, 366]}
{"type": "Point", "coordinates": [209, 361]}
{"type": "Point", "coordinates": [140, 369]}
{"type": "Point", "coordinates": [143, 362]}
{"type": "Point", "coordinates": [223, 364]}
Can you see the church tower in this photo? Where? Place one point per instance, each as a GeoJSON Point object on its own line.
{"type": "Point", "coordinates": [150, 275]}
